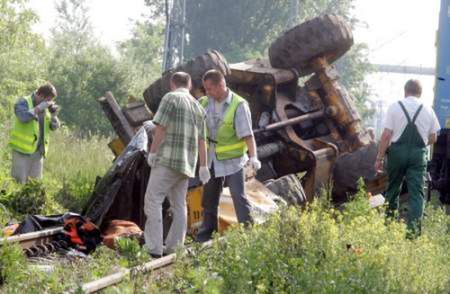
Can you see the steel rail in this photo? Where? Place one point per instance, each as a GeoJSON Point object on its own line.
{"type": "Point", "coordinates": [29, 240]}
{"type": "Point", "coordinates": [118, 277]}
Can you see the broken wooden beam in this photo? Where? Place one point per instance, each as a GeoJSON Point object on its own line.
{"type": "Point", "coordinates": [115, 115]}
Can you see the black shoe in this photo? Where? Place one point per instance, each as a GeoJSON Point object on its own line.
{"type": "Point", "coordinates": [203, 237]}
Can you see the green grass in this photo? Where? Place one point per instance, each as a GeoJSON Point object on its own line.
{"type": "Point", "coordinates": [72, 166]}
{"type": "Point", "coordinates": [318, 249]}
{"type": "Point", "coordinates": [22, 277]}
{"type": "Point", "coordinates": [71, 157]}
{"type": "Point", "coordinates": [323, 250]}
{"type": "Point", "coordinates": [70, 171]}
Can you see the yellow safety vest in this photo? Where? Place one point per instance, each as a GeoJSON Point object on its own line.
{"type": "Point", "coordinates": [228, 145]}
{"type": "Point", "coordinates": [25, 136]}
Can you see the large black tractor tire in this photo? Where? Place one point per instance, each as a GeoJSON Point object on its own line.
{"type": "Point", "coordinates": [196, 67]}
{"type": "Point", "coordinates": [327, 35]}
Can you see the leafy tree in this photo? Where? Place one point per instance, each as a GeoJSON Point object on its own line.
{"type": "Point", "coordinates": [244, 29]}
{"type": "Point", "coordinates": [82, 69]}
{"type": "Point", "coordinates": [22, 54]}
{"type": "Point", "coordinates": [141, 56]}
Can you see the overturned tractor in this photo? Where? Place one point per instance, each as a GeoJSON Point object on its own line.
{"type": "Point", "coordinates": [314, 127]}
{"type": "Point", "coordinates": [307, 128]}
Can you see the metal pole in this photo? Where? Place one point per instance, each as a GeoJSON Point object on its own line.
{"type": "Point", "coordinates": [183, 25]}
{"type": "Point", "coordinates": [167, 36]}
{"type": "Point", "coordinates": [290, 122]}
{"type": "Point", "coordinates": [294, 11]}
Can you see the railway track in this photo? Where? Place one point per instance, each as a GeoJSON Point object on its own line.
{"type": "Point", "coordinates": [153, 265]}
{"type": "Point", "coordinates": [45, 242]}
{"type": "Point", "coordinates": [118, 277]}
{"type": "Point", "coordinates": [38, 243]}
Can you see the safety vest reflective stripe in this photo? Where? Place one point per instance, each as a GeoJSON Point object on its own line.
{"type": "Point", "coordinates": [225, 148]}
{"type": "Point", "coordinates": [22, 143]}
{"type": "Point", "coordinates": [23, 137]}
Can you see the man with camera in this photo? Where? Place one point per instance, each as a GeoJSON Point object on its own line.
{"type": "Point", "coordinates": [34, 117]}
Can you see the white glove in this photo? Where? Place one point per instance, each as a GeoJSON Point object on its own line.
{"type": "Point", "coordinates": [204, 174]}
{"type": "Point", "coordinates": [42, 106]}
{"type": "Point", "coordinates": [151, 159]}
{"type": "Point", "coordinates": [255, 163]}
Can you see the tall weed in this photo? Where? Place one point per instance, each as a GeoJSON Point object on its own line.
{"type": "Point", "coordinates": [70, 171]}
{"type": "Point", "coordinates": [73, 165]}
{"type": "Point", "coordinates": [323, 250]}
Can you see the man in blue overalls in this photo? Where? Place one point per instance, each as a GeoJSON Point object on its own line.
{"type": "Point", "coordinates": [409, 128]}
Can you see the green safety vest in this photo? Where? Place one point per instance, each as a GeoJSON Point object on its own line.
{"type": "Point", "coordinates": [25, 136]}
{"type": "Point", "coordinates": [228, 145]}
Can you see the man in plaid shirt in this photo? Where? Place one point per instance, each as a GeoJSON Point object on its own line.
{"type": "Point", "coordinates": [179, 136]}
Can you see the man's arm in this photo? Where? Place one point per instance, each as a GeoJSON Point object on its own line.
{"type": "Point", "coordinates": [202, 155]}
{"type": "Point", "coordinates": [161, 120]}
{"type": "Point", "coordinates": [243, 124]}
{"type": "Point", "coordinates": [385, 141]}
{"type": "Point", "coordinates": [435, 127]}
{"type": "Point", "coordinates": [160, 134]}
{"type": "Point", "coordinates": [22, 112]}
{"type": "Point", "coordinates": [251, 145]}
{"type": "Point", "coordinates": [203, 171]}
{"type": "Point", "coordinates": [432, 139]}
{"type": "Point", "coordinates": [202, 151]}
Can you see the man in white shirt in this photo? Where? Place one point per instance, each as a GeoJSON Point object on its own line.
{"type": "Point", "coordinates": [409, 128]}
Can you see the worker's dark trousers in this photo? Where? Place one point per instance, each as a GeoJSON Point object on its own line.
{"type": "Point", "coordinates": [210, 202]}
{"type": "Point", "coordinates": [407, 164]}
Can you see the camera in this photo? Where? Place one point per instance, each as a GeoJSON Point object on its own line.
{"type": "Point", "coordinates": [53, 108]}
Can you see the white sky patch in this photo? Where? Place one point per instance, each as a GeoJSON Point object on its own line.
{"type": "Point", "coordinates": [400, 32]}
{"type": "Point", "coordinates": [112, 20]}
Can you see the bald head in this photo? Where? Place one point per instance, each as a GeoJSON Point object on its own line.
{"type": "Point", "coordinates": [180, 80]}
{"type": "Point", "coordinates": [413, 88]}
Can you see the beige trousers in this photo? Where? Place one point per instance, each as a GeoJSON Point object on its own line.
{"type": "Point", "coordinates": [26, 166]}
{"type": "Point", "coordinates": [164, 182]}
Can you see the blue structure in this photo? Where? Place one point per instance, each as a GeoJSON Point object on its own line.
{"type": "Point", "coordinates": [442, 88]}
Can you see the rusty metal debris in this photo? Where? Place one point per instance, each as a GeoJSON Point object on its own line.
{"type": "Point", "coordinates": [314, 127]}
{"type": "Point", "coordinates": [39, 243]}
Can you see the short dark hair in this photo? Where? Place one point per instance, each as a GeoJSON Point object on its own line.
{"type": "Point", "coordinates": [180, 79]}
{"type": "Point", "coordinates": [47, 90]}
{"type": "Point", "coordinates": [214, 76]}
{"type": "Point", "coordinates": [413, 87]}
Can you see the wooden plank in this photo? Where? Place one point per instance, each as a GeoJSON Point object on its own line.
{"type": "Point", "coordinates": [118, 121]}
{"type": "Point", "coordinates": [137, 112]}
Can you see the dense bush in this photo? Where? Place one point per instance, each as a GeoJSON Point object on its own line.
{"type": "Point", "coordinates": [314, 250]}
{"type": "Point", "coordinates": [30, 198]}
{"type": "Point", "coordinates": [322, 250]}
{"type": "Point", "coordinates": [73, 165]}
{"type": "Point", "coordinates": [23, 277]}
{"type": "Point", "coordinates": [70, 171]}
{"type": "Point", "coordinates": [12, 265]}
